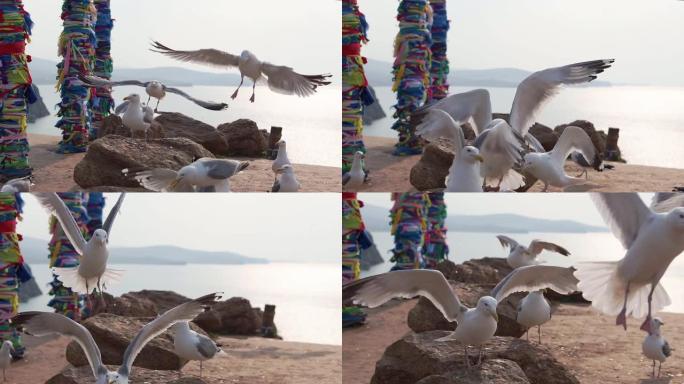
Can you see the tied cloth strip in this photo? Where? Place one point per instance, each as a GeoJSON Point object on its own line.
{"type": "Point", "coordinates": [12, 269]}
{"type": "Point", "coordinates": [77, 48]}
{"type": "Point", "coordinates": [411, 72]}
{"type": "Point", "coordinates": [408, 228]}
{"type": "Point", "coordinates": [435, 248]}
{"type": "Point", "coordinates": [355, 93]}
{"type": "Point", "coordinates": [16, 91]}
{"type": "Point", "coordinates": [354, 237]}
{"type": "Point", "coordinates": [101, 101]}
{"type": "Point", "coordinates": [63, 255]}
{"type": "Point", "coordinates": [439, 67]}
{"type": "Point", "coordinates": [95, 206]}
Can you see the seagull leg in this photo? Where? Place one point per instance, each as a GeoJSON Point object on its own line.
{"type": "Point", "coordinates": [156, 108]}
{"type": "Point", "coordinates": [242, 80]}
{"type": "Point", "coordinates": [539, 332]}
{"type": "Point", "coordinates": [660, 364]}
{"type": "Point", "coordinates": [646, 325]}
{"type": "Point", "coordinates": [479, 357]}
{"type": "Point", "coordinates": [253, 92]}
{"type": "Point", "coordinates": [546, 187]}
{"type": "Point", "coordinates": [149, 97]}
{"type": "Point", "coordinates": [466, 357]}
{"type": "Point", "coordinates": [200, 368]}
{"type": "Point", "coordinates": [622, 317]}
{"type": "Point", "coordinates": [527, 333]}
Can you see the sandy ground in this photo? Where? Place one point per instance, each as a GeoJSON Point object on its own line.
{"type": "Point", "coordinates": [249, 361]}
{"type": "Point", "coordinates": [390, 173]}
{"type": "Point", "coordinates": [588, 343]}
{"type": "Point", "coordinates": [54, 172]}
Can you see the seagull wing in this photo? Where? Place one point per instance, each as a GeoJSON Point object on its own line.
{"type": "Point", "coordinates": [204, 104]}
{"type": "Point", "coordinates": [157, 180]}
{"type": "Point", "coordinates": [55, 205]}
{"type": "Point", "coordinates": [474, 105]}
{"type": "Point", "coordinates": [112, 215]}
{"type": "Point", "coordinates": [184, 312]}
{"type": "Point", "coordinates": [95, 81]}
{"type": "Point", "coordinates": [624, 213]}
{"type": "Point", "coordinates": [43, 324]}
{"type": "Point", "coordinates": [212, 57]}
{"type": "Point", "coordinates": [539, 87]}
{"type": "Point", "coordinates": [276, 186]}
{"type": "Point", "coordinates": [664, 202]}
{"type": "Point", "coordinates": [573, 138]}
{"type": "Point", "coordinates": [499, 140]}
{"type": "Point", "coordinates": [22, 184]}
{"type": "Point", "coordinates": [220, 169]}
{"type": "Point", "coordinates": [122, 108]}
{"type": "Point", "coordinates": [507, 242]}
{"type": "Point", "coordinates": [345, 178]}
{"type": "Point", "coordinates": [438, 123]}
{"type": "Point", "coordinates": [534, 278]}
{"type": "Point", "coordinates": [148, 114]}
{"type": "Point", "coordinates": [376, 290]}
{"type": "Point", "coordinates": [537, 246]}
{"type": "Point", "coordinates": [285, 80]}
{"type": "Point", "coordinates": [206, 346]}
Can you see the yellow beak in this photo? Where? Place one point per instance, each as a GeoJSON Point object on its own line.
{"type": "Point", "coordinates": [479, 158]}
{"type": "Point", "coordinates": [495, 316]}
{"type": "Point", "coordinates": [174, 183]}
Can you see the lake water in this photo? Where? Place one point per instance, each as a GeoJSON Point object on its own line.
{"type": "Point", "coordinates": [583, 247]}
{"type": "Point", "coordinates": [307, 296]}
{"type": "Point", "coordinates": [311, 126]}
{"type": "Point", "coordinates": [651, 119]}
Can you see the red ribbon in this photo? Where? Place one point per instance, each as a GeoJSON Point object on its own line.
{"type": "Point", "coordinates": [12, 49]}
{"type": "Point", "coordinates": [8, 226]}
{"type": "Point", "coordinates": [351, 49]}
{"type": "Point", "coordinates": [348, 195]}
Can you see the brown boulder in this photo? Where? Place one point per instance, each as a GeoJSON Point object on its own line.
{"type": "Point", "coordinates": [495, 371]}
{"type": "Point", "coordinates": [597, 139]}
{"type": "Point", "coordinates": [244, 138]}
{"type": "Point", "coordinates": [432, 169]}
{"type": "Point", "coordinates": [84, 375]}
{"type": "Point", "coordinates": [113, 125]}
{"type": "Point", "coordinates": [234, 316]}
{"type": "Point", "coordinates": [106, 157]}
{"type": "Point", "coordinates": [417, 356]}
{"type": "Point", "coordinates": [163, 300]}
{"type": "Point", "coordinates": [178, 125]}
{"type": "Point", "coordinates": [113, 333]}
{"type": "Point", "coordinates": [126, 305]}
{"type": "Point", "coordinates": [546, 136]}
{"type": "Point", "coordinates": [488, 270]}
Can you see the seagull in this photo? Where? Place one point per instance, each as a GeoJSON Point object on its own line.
{"type": "Point", "coordinates": [655, 347]}
{"type": "Point", "coordinates": [281, 159]}
{"type": "Point", "coordinates": [464, 173]}
{"type": "Point", "coordinates": [18, 185]}
{"type": "Point", "coordinates": [354, 179]}
{"type": "Point", "coordinates": [190, 345]}
{"type": "Point", "coordinates": [580, 160]}
{"type": "Point", "coordinates": [153, 88]}
{"type": "Point", "coordinates": [548, 166]}
{"type": "Point", "coordinates": [286, 181]}
{"type": "Point", "coordinates": [136, 117]}
{"type": "Point", "coordinates": [522, 256]}
{"type": "Point", "coordinates": [665, 201]}
{"type": "Point", "coordinates": [92, 271]}
{"type": "Point", "coordinates": [207, 174]}
{"type": "Point", "coordinates": [280, 79]}
{"type": "Point", "coordinates": [531, 95]}
{"type": "Point", "coordinates": [45, 323]}
{"type": "Point", "coordinates": [475, 325]}
{"type": "Point", "coordinates": [534, 309]}
{"type": "Point", "coordinates": [6, 357]}
{"type": "Point", "coordinates": [632, 284]}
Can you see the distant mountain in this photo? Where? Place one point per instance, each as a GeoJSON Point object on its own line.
{"type": "Point", "coordinates": [377, 219]}
{"type": "Point", "coordinates": [35, 252]}
{"type": "Point", "coordinates": [45, 71]}
{"type": "Point", "coordinates": [379, 73]}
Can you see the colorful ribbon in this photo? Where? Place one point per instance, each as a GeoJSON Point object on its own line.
{"type": "Point", "coordinates": [435, 248]}
{"type": "Point", "coordinates": [101, 101]}
{"type": "Point", "coordinates": [408, 227]}
{"type": "Point", "coordinates": [439, 67]}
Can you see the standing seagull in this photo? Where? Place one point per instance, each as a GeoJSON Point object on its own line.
{"type": "Point", "coordinates": [548, 166]}
{"type": "Point", "coordinates": [475, 326]}
{"type": "Point", "coordinates": [655, 347]}
{"type": "Point", "coordinates": [44, 323]}
{"type": "Point", "coordinates": [354, 179]}
{"type": "Point", "coordinates": [281, 159]}
{"type": "Point", "coordinates": [534, 309]}
{"type": "Point", "coordinates": [6, 357]}
{"type": "Point", "coordinates": [136, 117]}
{"type": "Point", "coordinates": [190, 345]}
{"type": "Point", "coordinates": [521, 256]}
{"type": "Point", "coordinates": [153, 88]}
{"type": "Point", "coordinates": [281, 79]}
{"type": "Point", "coordinates": [92, 271]}
{"type": "Point", "coordinates": [286, 181]}
{"type": "Point", "coordinates": [652, 241]}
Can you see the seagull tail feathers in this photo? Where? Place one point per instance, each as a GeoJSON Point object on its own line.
{"type": "Point", "coordinates": [111, 276]}
{"type": "Point", "coordinates": [512, 181]}
{"type": "Point", "coordinates": [70, 278]}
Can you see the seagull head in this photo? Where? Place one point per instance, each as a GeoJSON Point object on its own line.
{"type": "Point", "coordinates": [245, 55]}
{"type": "Point", "coordinates": [100, 235]}
{"type": "Point", "coordinates": [187, 173]}
{"type": "Point", "coordinates": [676, 217]}
{"type": "Point", "coordinates": [531, 162]}
{"type": "Point", "coordinates": [8, 346]}
{"type": "Point", "coordinates": [133, 98]}
{"type": "Point", "coordinates": [471, 155]}
{"type": "Point", "coordinates": [487, 304]}
{"type": "Point", "coordinates": [116, 378]}
{"type": "Point", "coordinates": [287, 168]}
{"type": "Point", "coordinates": [282, 144]}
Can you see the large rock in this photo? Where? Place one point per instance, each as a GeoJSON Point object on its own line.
{"type": "Point", "coordinates": [432, 169]}
{"type": "Point", "coordinates": [106, 157]}
{"type": "Point", "coordinates": [597, 139]}
{"type": "Point", "coordinates": [244, 138]}
{"type": "Point", "coordinates": [127, 305]}
{"type": "Point", "coordinates": [546, 136]}
{"type": "Point", "coordinates": [164, 300]}
{"type": "Point", "coordinates": [178, 125]}
{"type": "Point", "coordinates": [418, 356]}
{"type": "Point", "coordinates": [37, 110]}
{"type": "Point", "coordinates": [234, 316]}
{"type": "Point", "coordinates": [487, 270]}
{"type": "Point", "coordinates": [374, 111]}
{"type": "Point", "coordinates": [113, 333]}
{"type": "Point", "coordinates": [84, 375]}
{"type": "Point", "coordinates": [495, 371]}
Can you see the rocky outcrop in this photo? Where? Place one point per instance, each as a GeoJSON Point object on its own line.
{"type": "Point", "coordinates": [178, 125]}
{"type": "Point", "coordinates": [433, 167]}
{"type": "Point", "coordinates": [374, 111]}
{"type": "Point", "coordinates": [234, 316]}
{"type": "Point", "coordinates": [417, 356]}
{"type": "Point", "coordinates": [244, 138]}
{"type": "Point", "coordinates": [37, 110]}
{"type": "Point", "coordinates": [163, 300]}
{"type": "Point", "coordinates": [487, 271]}
{"type": "Point", "coordinates": [127, 305]}
{"type": "Point", "coordinates": [84, 375]}
{"type": "Point", "coordinates": [546, 136]}
{"type": "Point", "coordinates": [598, 138]}
{"type": "Point", "coordinates": [106, 157]}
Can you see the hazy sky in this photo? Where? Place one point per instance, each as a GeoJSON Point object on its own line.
{"type": "Point", "coordinates": [566, 206]}
{"type": "Point", "coordinates": [296, 227]}
{"type": "Point", "coordinates": [304, 34]}
{"type": "Point", "coordinates": [645, 37]}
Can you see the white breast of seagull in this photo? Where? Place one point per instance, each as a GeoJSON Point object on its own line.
{"type": "Point", "coordinates": [288, 182]}
{"type": "Point", "coordinates": [476, 328]}
{"type": "Point", "coordinates": [185, 345]}
{"type": "Point", "coordinates": [547, 170]}
{"type": "Point", "coordinates": [249, 65]}
{"type": "Point", "coordinates": [5, 356]}
{"type": "Point", "coordinates": [156, 90]}
{"type": "Point", "coordinates": [518, 257]}
{"type": "Point", "coordinates": [94, 262]}
{"type": "Point", "coordinates": [464, 176]}
{"type": "Point", "coordinates": [534, 310]}
{"type": "Point", "coordinates": [653, 347]}
{"type": "Point", "coordinates": [281, 159]}
{"type": "Point", "coordinates": [133, 118]}
{"type": "Point", "coordinates": [356, 174]}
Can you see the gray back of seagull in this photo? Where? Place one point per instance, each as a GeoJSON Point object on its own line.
{"type": "Point", "coordinates": [221, 169]}
{"type": "Point", "coordinates": [206, 346]}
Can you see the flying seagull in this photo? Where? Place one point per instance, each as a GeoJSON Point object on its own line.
{"type": "Point", "coordinates": [522, 256]}
{"type": "Point", "coordinates": [190, 345]}
{"type": "Point", "coordinates": [655, 347]}
{"type": "Point", "coordinates": [632, 284]}
{"type": "Point", "coordinates": [280, 79]}
{"type": "Point", "coordinates": [534, 309]}
{"type": "Point", "coordinates": [44, 323]}
{"type": "Point", "coordinates": [354, 179]}
{"type": "Point", "coordinates": [153, 88]}
{"type": "Point", "coordinates": [92, 271]}
{"type": "Point", "coordinates": [475, 325]}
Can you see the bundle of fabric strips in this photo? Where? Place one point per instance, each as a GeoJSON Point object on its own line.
{"type": "Point", "coordinates": [355, 93]}
{"type": "Point", "coordinates": [435, 248]}
{"type": "Point", "coordinates": [408, 228]}
{"type": "Point", "coordinates": [411, 70]}
{"type": "Point", "coordinates": [354, 238]}
{"type": "Point", "coordinates": [77, 48]}
{"type": "Point", "coordinates": [94, 206]}
{"type": "Point", "coordinates": [101, 101]}
{"type": "Point", "coordinates": [439, 68]}
{"type": "Point", "coordinates": [63, 255]}
{"type": "Point", "coordinates": [15, 89]}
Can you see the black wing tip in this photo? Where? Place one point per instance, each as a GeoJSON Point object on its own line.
{"type": "Point", "coordinates": [24, 317]}
{"type": "Point", "coordinates": [210, 299]}
{"type": "Point", "coordinates": [216, 107]}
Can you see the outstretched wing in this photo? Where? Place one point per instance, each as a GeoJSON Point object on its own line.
{"type": "Point", "coordinates": [664, 202]}
{"type": "Point", "coordinates": [212, 57]}
{"type": "Point", "coordinates": [285, 80]}
{"type": "Point", "coordinates": [539, 87]}
{"type": "Point", "coordinates": [54, 204]}
{"type": "Point", "coordinates": [624, 213]}
{"type": "Point", "coordinates": [158, 180]}
{"type": "Point", "coordinates": [507, 242]}
{"type": "Point", "coordinates": [438, 123]}
{"type": "Point", "coordinates": [536, 277]}
{"type": "Point", "coordinates": [537, 246]}
{"type": "Point", "coordinates": [473, 105]}
{"type": "Point", "coordinates": [112, 215]}
{"type": "Point", "coordinates": [573, 139]}
{"type": "Point", "coordinates": [204, 104]}
{"type": "Point", "coordinates": [95, 81]}
{"type": "Point", "coordinates": [220, 169]}
{"type": "Point", "coordinates": [122, 108]}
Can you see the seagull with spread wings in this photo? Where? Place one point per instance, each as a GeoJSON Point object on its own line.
{"type": "Point", "coordinates": [44, 323]}
{"type": "Point", "coordinates": [280, 79]}
{"type": "Point", "coordinates": [92, 271]}
{"type": "Point", "coordinates": [522, 256]}
{"type": "Point", "coordinates": [153, 88]}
